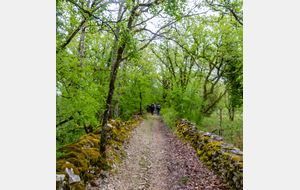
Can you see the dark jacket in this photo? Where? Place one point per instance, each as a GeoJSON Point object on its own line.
{"type": "Point", "coordinates": [152, 107]}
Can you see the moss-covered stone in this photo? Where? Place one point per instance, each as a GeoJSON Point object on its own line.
{"type": "Point", "coordinates": [59, 164]}
{"type": "Point", "coordinates": [69, 155]}
{"type": "Point", "coordinates": [84, 155]}
{"type": "Point", "coordinates": [70, 165]}
{"type": "Point", "coordinates": [74, 161]}
{"type": "Point", "coordinates": [78, 186]}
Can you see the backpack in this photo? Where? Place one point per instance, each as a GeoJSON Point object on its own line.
{"type": "Point", "coordinates": [158, 106]}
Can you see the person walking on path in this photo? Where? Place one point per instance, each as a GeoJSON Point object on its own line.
{"type": "Point", "coordinates": [148, 108]}
{"type": "Point", "coordinates": [152, 107]}
{"type": "Point", "coordinates": [158, 108]}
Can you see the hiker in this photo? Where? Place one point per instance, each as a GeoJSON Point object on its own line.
{"type": "Point", "coordinates": [152, 107]}
{"type": "Point", "coordinates": [158, 108]}
{"type": "Point", "coordinates": [148, 108]}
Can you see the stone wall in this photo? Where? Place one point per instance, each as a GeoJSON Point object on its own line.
{"type": "Point", "coordinates": [224, 159]}
{"type": "Point", "coordinates": [82, 163]}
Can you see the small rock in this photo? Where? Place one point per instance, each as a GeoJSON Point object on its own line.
{"type": "Point", "coordinates": [116, 147]}
{"type": "Point", "coordinates": [105, 180]}
{"type": "Point", "coordinates": [62, 186]}
{"type": "Point", "coordinates": [88, 186]}
{"type": "Point", "coordinates": [72, 177]}
{"type": "Point", "coordinates": [98, 182]}
{"type": "Point", "coordinates": [207, 134]}
{"type": "Point", "coordinates": [60, 177]}
{"type": "Point", "coordinates": [216, 137]}
{"type": "Point", "coordinates": [106, 174]}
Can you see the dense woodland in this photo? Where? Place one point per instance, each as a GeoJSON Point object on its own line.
{"type": "Point", "coordinates": [114, 57]}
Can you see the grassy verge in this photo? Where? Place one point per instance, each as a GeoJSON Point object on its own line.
{"type": "Point", "coordinates": [231, 131]}
{"type": "Point", "coordinates": [170, 117]}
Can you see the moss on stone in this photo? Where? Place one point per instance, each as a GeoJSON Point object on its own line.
{"type": "Point", "coordinates": [59, 164]}
{"type": "Point", "coordinates": [237, 158]}
{"type": "Point", "coordinates": [70, 165]}
{"type": "Point", "coordinates": [71, 148]}
{"type": "Point", "coordinates": [74, 161]}
{"type": "Point", "coordinates": [88, 176]}
{"type": "Point", "coordinates": [78, 186]}
{"type": "Point", "coordinates": [85, 152]}
{"type": "Point", "coordinates": [69, 155]}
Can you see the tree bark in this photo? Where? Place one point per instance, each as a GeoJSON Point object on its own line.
{"type": "Point", "coordinates": [119, 92]}
{"type": "Point", "coordinates": [220, 130]}
{"type": "Point", "coordinates": [232, 115]}
{"type": "Point", "coordinates": [81, 44]}
{"type": "Point", "coordinates": [141, 103]}
{"type": "Point", "coordinates": [113, 59]}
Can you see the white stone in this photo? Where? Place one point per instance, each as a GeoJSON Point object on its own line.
{"type": "Point", "coordinates": [60, 177]}
{"type": "Point", "coordinates": [61, 187]}
{"type": "Point", "coordinates": [98, 181]}
{"type": "Point", "coordinates": [88, 186]}
{"type": "Point", "coordinates": [73, 177]}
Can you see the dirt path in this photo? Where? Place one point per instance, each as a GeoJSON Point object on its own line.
{"type": "Point", "coordinates": [157, 160]}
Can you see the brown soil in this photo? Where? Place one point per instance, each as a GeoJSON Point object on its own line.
{"type": "Point", "coordinates": [157, 159]}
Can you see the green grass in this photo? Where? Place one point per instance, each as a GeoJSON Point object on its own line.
{"type": "Point", "coordinates": [161, 119]}
{"type": "Point", "coordinates": [232, 131]}
{"type": "Point", "coordinates": [185, 179]}
{"type": "Point", "coordinates": [170, 117]}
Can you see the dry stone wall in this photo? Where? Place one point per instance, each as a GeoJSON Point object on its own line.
{"type": "Point", "coordinates": [81, 163]}
{"type": "Point", "coordinates": [224, 159]}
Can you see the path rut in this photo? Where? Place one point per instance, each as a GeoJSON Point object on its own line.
{"type": "Point", "coordinates": [158, 160]}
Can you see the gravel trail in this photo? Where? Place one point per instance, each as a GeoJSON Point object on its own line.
{"type": "Point", "coordinates": [156, 159]}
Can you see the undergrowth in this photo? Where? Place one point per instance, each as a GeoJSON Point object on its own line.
{"type": "Point", "coordinates": [66, 134]}
{"type": "Point", "coordinates": [170, 116]}
{"type": "Point", "coordinates": [231, 131]}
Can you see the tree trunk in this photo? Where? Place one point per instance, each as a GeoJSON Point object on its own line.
{"type": "Point", "coordinates": [113, 59]}
{"type": "Point", "coordinates": [81, 44]}
{"type": "Point", "coordinates": [232, 115]}
{"type": "Point", "coordinates": [220, 130]}
{"type": "Point", "coordinates": [229, 113]}
{"type": "Point", "coordinates": [141, 103]}
{"type": "Point", "coordinates": [108, 104]}
{"type": "Point", "coordinates": [119, 92]}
